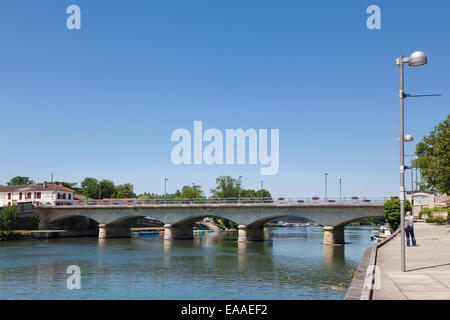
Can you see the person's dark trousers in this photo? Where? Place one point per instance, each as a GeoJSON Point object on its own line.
{"type": "Point", "coordinates": [410, 232]}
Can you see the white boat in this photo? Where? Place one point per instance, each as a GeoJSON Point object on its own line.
{"type": "Point", "coordinates": [380, 234]}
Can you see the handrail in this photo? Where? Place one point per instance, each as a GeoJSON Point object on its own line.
{"type": "Point", "coordinates": [237, 201]}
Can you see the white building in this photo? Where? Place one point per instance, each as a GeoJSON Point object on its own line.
{"type": "Point", "coordinates": [38, 194]}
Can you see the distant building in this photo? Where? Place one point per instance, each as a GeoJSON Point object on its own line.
{"type": "Point", "coordinates": [37, 194]}
{"type": "Point", "coordinates": [427, 199]}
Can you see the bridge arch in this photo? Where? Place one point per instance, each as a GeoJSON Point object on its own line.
{"type": "Point", "coordinates": [73, 222]}
{"type": "Point", "coordinates": [346, 222]}
{"type": "Point", "coordinates": [128, 221]}
{"type": "Point", "coordinates": [190, 221]}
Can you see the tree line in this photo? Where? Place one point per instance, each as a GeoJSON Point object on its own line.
{"type": "Point", "coordinates": [226, 187]}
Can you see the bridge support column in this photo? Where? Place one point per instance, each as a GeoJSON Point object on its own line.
{"type": "Point", "coordinates": [106, 231]}
{"type": "Point", "coordinates": [250, 234]}
{"type": "Point", "coordinates": [184, 232]}
{"type": "Point", "coordinates": [333, 235]}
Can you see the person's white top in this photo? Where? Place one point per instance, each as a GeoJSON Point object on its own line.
{"type": "Point", "coordinates": [409, 221]}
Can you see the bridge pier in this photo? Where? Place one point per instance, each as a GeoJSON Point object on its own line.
{"type": "Point", "coordinates": [333, 235]}
{"type": "Point", "coordinates": [250, 234]}
{"type": "Point", "coordinates": [183, 232]}
{"type": "Point", "coordinates": [108, 231]}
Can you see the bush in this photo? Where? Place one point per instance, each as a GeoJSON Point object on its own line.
{"type": "Point", "coordinates": [392, 212]}
{"type": "Point", "coordinates": [8, 217]}
{"type": "Point", "coordinates": [435, 220]}
{"type": "Point", "coordinates": [429, 211]}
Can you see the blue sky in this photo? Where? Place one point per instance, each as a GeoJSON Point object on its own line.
{"type": "Point", "coordinates": [103, 101]}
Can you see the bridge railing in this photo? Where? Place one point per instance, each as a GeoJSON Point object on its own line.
{"type": "Point", "coordinates": [237, 201]}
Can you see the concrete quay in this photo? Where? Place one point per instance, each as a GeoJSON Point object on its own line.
{"type": "Point", "coordinates": [427, 273]}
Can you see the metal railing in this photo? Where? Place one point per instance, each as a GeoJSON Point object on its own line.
{"type": "Point", "coordinates": [237, 201]}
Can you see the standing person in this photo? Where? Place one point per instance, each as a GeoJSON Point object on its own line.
{"type": "Point", "coordinates": [409, 228]}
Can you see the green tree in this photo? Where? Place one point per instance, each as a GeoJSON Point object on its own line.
{"type": "Point", "coordinates": [263, 193]}
{"type": "Point", "coordinates": [8, 217]}
{"type": "Point", "coordinates": [227, 187]}
{"type": "Point", "coordinates": [90, 187]}
{"type": "Point", "coordinates": [16, 181]}
{"type": "Point", "coordinates": [190, 192]}
{"type": "Point", "coordinates": [106, 189]}
{"type": "Point", "coordinates": [392, 212]}
{"type": "Point", "coordinates": [124, 191]}
{"type": "Point", "coordinates": [434, 158]}
{"type": "Point", "coordinates": [250, 193]}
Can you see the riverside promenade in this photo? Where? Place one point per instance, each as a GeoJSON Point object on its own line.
{"type": "Point", "coordinates": [427, 273]}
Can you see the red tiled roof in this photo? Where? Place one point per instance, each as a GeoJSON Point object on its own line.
{"type": "Point", "coordinates": [34, 187]}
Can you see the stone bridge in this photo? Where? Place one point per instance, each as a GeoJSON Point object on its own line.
{"type": "Point", "coordinates": [178, 219]}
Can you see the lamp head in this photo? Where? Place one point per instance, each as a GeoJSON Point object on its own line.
{"type": "Point", "coordinates": [408, 138]}
{"type": "Point", "coordinates": [417, 58]}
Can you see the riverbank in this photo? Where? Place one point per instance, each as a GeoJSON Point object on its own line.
{"type": "Point", "coordinates": [427, 273]}
{"type": "Point", "coordinates": [45, 234]}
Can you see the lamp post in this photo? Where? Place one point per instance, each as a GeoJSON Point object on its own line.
{"type": "Point", "coordinates": [262, 188]}
{"type": "Point", "coordinates": [417, 58]}
{"type": "Point", "coordinates": [340, 189]}
{"type": "Point", "coordinates": [240, 178]}
{"type": "Point", "coordinates": [326, 176]}
{"type": "Point", "coordinates": [165, 189]}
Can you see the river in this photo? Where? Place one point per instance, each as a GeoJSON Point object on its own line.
{"type": "Point", "coordinates": [293, 264]}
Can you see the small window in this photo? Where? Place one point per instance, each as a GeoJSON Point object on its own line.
{"type": "Point", "coordinates": [9, 196]}
{"type": "Point", "coordinates": [20, 196]}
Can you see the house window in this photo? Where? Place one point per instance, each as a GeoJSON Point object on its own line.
{"type": "Point", "coordinates": [20, 196]}
{"type": "Point", "coordinates": [58, 196]}
{"type": "Point", "coordinates": [39, 195]}
{"type": "Point", "coordinates": [28, 196]}
{"type": "Point", "coordinates": [64, 196]}
{"type": "Point", "coordinates": [70, 196]}
{"type": "Point", "coordinates": [9, 196]}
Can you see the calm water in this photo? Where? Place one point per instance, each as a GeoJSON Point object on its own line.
{"type": "Point", "coordinates": [292, 265]}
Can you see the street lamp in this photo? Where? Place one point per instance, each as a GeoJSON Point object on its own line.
{"type": "Point", "coordinates": [417, 58]}
{"type": "Point", "coordinates": [326, 176]}
{"type": "Point", "coordinates": [262, 188]}
{"type": "Point", "coordinates": [340, 189]}
{"type": "Point", "coordinates": [240, 183]}
{"type": "Point", "coordinates": [165, 189]}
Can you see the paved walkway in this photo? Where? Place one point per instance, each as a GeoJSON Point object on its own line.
{"type": "Point", "coordinates": [427, 273]}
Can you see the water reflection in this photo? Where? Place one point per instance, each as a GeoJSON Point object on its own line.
{"type": "Point", "coordinates": [333, 255]}
{"type": "Point", "coordinates": [293, 264]}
